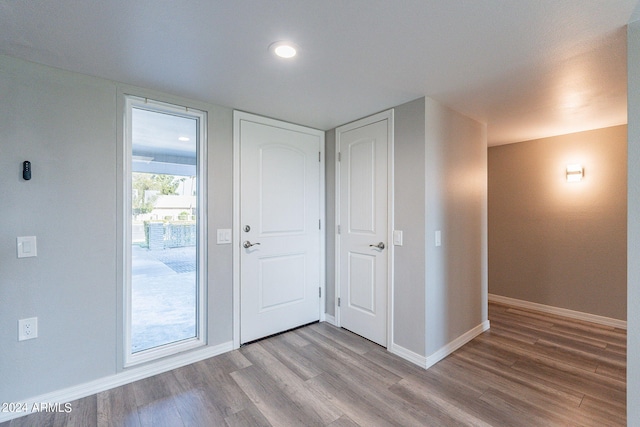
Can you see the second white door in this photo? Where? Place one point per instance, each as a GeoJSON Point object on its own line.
{"type": "Point", "coordinates": [363, 248]}
{"type": "Point", "coordinates": [279, 226]}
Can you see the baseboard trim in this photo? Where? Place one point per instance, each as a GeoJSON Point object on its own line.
{"type": "Point", "coordinates": [564, 312]}
{"type": "Point", "coordinates": [330, 319]}
{"type": "Point", "coordinates": [127, 376]}
{"type": "Point", "coordinates": [427, 362]}
{"type": "Point", "coordinates": [456, 344]}
{"type": "Point", "coordinates": [407, 354]}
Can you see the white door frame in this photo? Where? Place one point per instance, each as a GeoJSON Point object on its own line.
{"type": "Point", "coordinates": [238, 116]}
{"type": "Point", "coordinates": [388, 115]}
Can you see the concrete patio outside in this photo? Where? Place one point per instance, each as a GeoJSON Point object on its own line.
{"type": "Point", "coordinates": [163, 296]}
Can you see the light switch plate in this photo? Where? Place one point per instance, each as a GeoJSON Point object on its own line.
{"type": "Point", "coordinates": [224, 236]}
{"type": "Point", "coordinates": [397, 237]}
{"type": "Point", "coordinates": [26, 246]}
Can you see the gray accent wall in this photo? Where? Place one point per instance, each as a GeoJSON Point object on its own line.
{"type": "Point", "coordinates": [65, 125]}
{"type": "Point", "coordinates": [330, 218]}
{"type": "Point", "coordinates": [68, 126]}
{"type": "Point", "coordinates": [557, 243]}
{"type": "Point", "coordinates": [633, 224]}
{"type": "Point", "coordinates": [220, 209]}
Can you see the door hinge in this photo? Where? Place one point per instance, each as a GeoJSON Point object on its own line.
{"type": "Point", "coordinates": [339, 156]}
{"type": "Point", "coordinates": [319, 292]}
{"type": "Point", "coordinates": [319, 224]}
{"type": "Point", "coordinates": [338, 302]}
{"type": "Point", "coordinates": [339, 230]}
{"type": "Point", "coordinates": [319, 156]}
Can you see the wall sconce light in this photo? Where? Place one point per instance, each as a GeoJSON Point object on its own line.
{"type": "Point", "coordinates": [575, 173]}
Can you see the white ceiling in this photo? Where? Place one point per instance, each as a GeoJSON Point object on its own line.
{"type": "Point", "coordinates": [527, 68]}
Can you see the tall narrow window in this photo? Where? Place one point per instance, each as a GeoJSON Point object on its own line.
{"type": "Point", "coordinates": [164, 211]}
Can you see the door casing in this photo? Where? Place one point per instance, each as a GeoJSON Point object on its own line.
{"type": "Point", "coordinates": [388, 115]}
{"type": "Point", "coordinates": [238, 116]}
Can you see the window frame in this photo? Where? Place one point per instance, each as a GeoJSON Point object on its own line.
{"type": "Point", "coordinates": [130, 102]}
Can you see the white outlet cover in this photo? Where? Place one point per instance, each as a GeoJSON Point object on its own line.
{"type": "Point", "coordinates": [27, 329]}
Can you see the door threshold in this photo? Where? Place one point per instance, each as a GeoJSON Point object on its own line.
{"type": "Point", "coordinates": [279, 333]}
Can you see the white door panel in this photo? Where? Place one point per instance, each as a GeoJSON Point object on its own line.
{"type": "Point", "coordinates": [279, 214]}
{"type": "Point", "coordinates": [363, 219]}
{"type": "Point", "coordinates": [281, 281]}
{"type": "Point", "coordinates": [361, 179]}
{"type": "Point", "coordinates": [361, 293]}
{"type": "Point", "coordinates": [282, 191]}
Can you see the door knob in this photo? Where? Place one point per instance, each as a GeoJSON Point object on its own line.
{"type": "Point", "coordinates": [379, 246]}
{"type": "Point", "coordinates": [247, 244]}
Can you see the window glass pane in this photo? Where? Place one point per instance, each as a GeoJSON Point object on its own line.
{"type": "Point", "coordinates": [164, 185]}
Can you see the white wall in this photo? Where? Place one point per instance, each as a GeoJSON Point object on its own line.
{"type": "Point", "coordinates": [456, 204]}
{"type": "Point", "coordinates": [409, 266]}
{"type": "Point", "coordinates": [66, 125]}
{"type": "Point", "coordinates": [633, 225]}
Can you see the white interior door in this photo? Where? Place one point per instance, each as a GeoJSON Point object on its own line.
{"type": "Point", "coordinates": [364, 231]}
{"type": "Point", "coordinates": [279, 233]}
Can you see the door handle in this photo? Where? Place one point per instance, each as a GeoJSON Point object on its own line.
{"type": "Point", "coordinates": [247, 244]}
{"type": "Point", "coordinates": [379, 246]}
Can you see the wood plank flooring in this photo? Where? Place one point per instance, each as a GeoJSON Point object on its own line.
{"type": "Point", "coordinates": [530, 369]}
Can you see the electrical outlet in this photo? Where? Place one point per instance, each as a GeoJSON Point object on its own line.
{"type": "Point", "coordinates": [27, 329]}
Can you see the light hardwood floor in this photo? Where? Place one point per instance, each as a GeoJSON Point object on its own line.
{"type": "Point", "coordinates": [530, 369]}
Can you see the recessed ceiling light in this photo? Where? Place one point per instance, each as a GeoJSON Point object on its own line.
{"type": "Point", "coordinates": [183, 139]}
{"type": "Point", "coordinates": [284, 49]}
